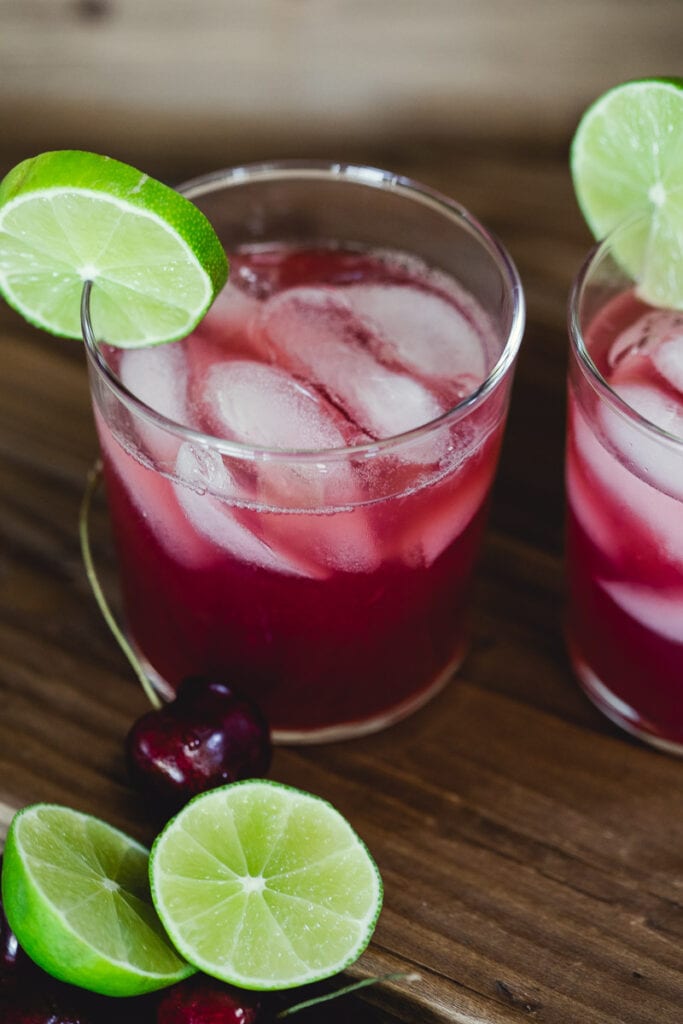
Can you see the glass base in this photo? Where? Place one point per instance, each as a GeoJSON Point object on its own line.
{"type": "Point", "coordinates": [342, 730]}
{"type": "Point", "coordinates": [618, 711]}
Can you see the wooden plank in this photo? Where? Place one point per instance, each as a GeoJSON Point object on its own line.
{"type": "Point", "coordinates": [121, 72]}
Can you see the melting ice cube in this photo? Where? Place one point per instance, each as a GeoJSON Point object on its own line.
{"type": "Point", "coordinates": [265, 406]}
{"type": "Point", "coordinates": [315, 334]}
{"type": "Point", "coordinates": [657, 336]}
{"type": "Point", "coordinates": [202, 475]}
{"type": "Point", "coordinates": [645, 512]}
{"type": "Point", "coordinates": [152, 494]}
{"type": "Point", "coordinates": [654, 459]}
{"type": "Point", "coordinates": [669, 361]}
{"type": "Point", "coordinates": [421, 331]}
{"type": "Point", "coordinates": [158, 376]}
{"type": "Point", "coordinates": [231, 313]}
{"type": "Point", "coordinates": [658, 610]}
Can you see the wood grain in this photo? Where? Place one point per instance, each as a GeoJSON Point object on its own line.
{"type": "Point", "coordinates": [126, 75]}
{"type": "Point", "coordinates": [532, 854]}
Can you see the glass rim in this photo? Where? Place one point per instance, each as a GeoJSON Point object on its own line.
{"type": "Point", "coordinates": [576, 334]}
{"type": "Point", "coordinates": [355, 174]}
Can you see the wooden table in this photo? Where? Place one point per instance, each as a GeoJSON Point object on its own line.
{"type": "Point", "coordinates": [532, 854]}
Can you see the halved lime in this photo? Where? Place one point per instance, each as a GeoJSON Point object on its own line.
{"type": "Point", "coordinates": [265, 886]}
{"type": "Point", "coordinates": [76, 895]}
{"type": "Point", "coordinates": [627, 164]}
{"type": "Point", "coordinates": [68, 216]}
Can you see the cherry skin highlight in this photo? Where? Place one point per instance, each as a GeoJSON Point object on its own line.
{"type": "Point", "coordinates": [11, 955]}
{"type": "Point", "coordinates": [202, 1000]}
{"type": "Point", "coordinates": [208, 736]}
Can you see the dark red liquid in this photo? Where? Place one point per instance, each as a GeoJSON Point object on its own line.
{"type": "Point", "coordinates": [322, 644]}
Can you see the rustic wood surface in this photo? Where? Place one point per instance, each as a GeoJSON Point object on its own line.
{"type": "Point", "coordinates": [532, 854]}
{"type": "Point", "coordinates": [163, 74]}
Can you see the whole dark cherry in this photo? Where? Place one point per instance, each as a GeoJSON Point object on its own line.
{"type": "Point", "coordinates": [201, 1000]}
{"type": "Point", "coordinates": [208, 736]}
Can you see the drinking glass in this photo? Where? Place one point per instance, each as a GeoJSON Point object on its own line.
{"type": "Point", "coordinates": [624, 473]}
{"type": "Point", "coordinates": [330, 583]}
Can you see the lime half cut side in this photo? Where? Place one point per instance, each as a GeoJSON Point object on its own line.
{"type": "Point", "coordinates": [265, 886]}
{"type": "Point", "coordinates": [76, 895]}
{"type": "Point", "coordinates": [69, 216]}
{"type": "Point", "coordinates": [627, 165]}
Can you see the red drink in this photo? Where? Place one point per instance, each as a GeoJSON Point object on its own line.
{"type": "Point", "coordinates": [625, 529]}
{"type": "Point", "coordinates": [298, 503]}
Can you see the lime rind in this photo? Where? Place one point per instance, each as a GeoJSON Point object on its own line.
{"type": "Point", "coordinates": [292, 897]}
{"type": "Point", "coordinates": [71, 216]}
{"type": "Point", "coordinates": [76, 895]}
{"type": "Point", "coordinates": [627, 166]}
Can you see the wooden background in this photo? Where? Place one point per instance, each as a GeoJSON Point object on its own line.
{"type": "Point", "coordinates": [213, 79]}
{"type": "Point", "coordinates": [532, 853]}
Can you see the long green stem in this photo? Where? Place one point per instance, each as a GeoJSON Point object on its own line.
{"type": "Point", "coordinates": [94, 477]}
{"type": "Point", "coordinates": [354, 987]}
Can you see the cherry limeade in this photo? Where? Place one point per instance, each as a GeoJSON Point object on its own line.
{"type": "Point", "coordinates": [333, 589]}
{"type": "Point", "coordinates": [625, 530]}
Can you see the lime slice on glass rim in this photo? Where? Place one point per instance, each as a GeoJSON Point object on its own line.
{"type": "Point", "coordinates": [265, 886]}
{"type": "Point", "coordinates": [76, 894]}
{"type": "Point", "coordinates": [627, 166]}
{"type": "Point", "coordinates": [68, 216]}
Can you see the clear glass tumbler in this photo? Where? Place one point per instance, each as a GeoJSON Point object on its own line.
{"type": "Point", "coordinates": [304, 521]}
{"type": "Point", "coordinates": [625, 496]}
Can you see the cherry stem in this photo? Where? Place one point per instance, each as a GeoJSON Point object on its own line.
{"type": "Point", "coordinates": [410, 976]}
{"type": "Point", "coordinates": [93, 481]}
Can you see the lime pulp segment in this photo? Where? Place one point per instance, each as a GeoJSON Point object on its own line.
{"type": "Point", "coordinates": [627, 165]}
{"type": "Point", "coordinates": [70, 216]}
{"type": "Point", "coordinates": [76, 894]}
{"type": "Point", "coordinates": [265, 886]}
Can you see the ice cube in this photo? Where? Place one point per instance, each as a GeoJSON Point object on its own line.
{"type": "Point", "coordinates": [646, 337]}
{"type": "Point", "coordinates": [340, 540]}
{"type": "Point", "coordinates": [654, 459]}
{"type": "Point", "coordinates": [231, 315]}
{"type": "Point", "coordinates": [152, 494]}
{"type": "Point", "coordinates": [315, 334]}
{"type": "Point", "coordinates": [669, 361]}
{"type": "Point", "coordinates": [265, 406]}
{"type": "Point", "coordinates": [584, 497]}
{"type": "Point", "coordinates": [204, 489]}
{"type": "Point", "coordinates": [440, 515]}
{"type": "Point", "coordinates": [649, 521]}
{"type": "Point", "coordinates": [658, 610]}
{"type": "Point", "coordinates": [310, 518]}
{"type": "Point", "coordinates": [158, 377]}
{"type": "Point", "coordinates": [421, 332]}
